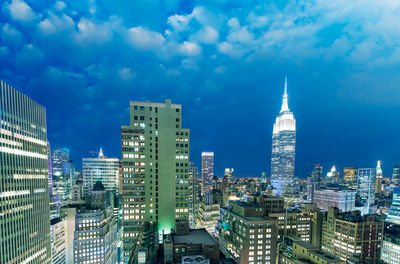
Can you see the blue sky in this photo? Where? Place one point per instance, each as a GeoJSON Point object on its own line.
{"type": "Point", "coordinates": [225, 62]}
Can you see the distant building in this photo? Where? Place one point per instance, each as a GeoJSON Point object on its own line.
{"type": "Point", "coordinates": [207, 171]}
{"type": "Point", "coordinates": [366, 183]}
{"type": "Point", "coordinates": [379, 178]}
{"type": "Point", "coordinates": [24, 185]}
{"type": "Point", "coordinates": [350, 176]}
{"type": "Point", "coordinates": [394, 211]}
{"type": "Point", "coordinates": [101, 168]}
{"type": "Point", "coordinates": [352, 237]}
{"type": "Point", "coordinates": [396, 175]}
{"type": "Point", "coordinates": [283, 150]}
{"type": "Point", "coordinates": [208, 211]}
{"type": "Point", "coordinates": [332, 176]}
{"type": "Point", "coordinates": [194, 193]}
{"type": "Point", "coordinates": [190, 245]}
{"type": "Point", "coordinates": [61, 174]}
{"type": "Point", "coordinates": [340, 198]}
{"type": "Point", "coordinates": [317, 174]}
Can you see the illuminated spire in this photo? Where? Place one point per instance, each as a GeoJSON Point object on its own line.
{"type": "Point", "coordinates": [285, 106]}
{"type": "Point", "coordinates": [101, 155]}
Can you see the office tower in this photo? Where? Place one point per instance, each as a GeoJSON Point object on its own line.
{"type": "Point", "coordinates": [194, 193]}
{"type": "Point", "coordinates": [340, 198]}
{"type": "Point", "coordinates": [396, 175]}
{"type": "Point", "coordinates": [61, 174]}
{"type": "Point", "coordinates": [207, 171]}
{"type": "Point", "coordinates": [96, 231]}
{"type": "Point", "coordinates": [312, 184]}
{"type": "Point", "coordinates": [283, 150]}
{"type": "Point", "coordinates": [394, 211]}
{"type": "Point", "coordinates": [332, 176]}
{"type": "Point", "coordinates": [366, 182]}
{"type": "Point", "coordinates": [230, 179]}
{"type": "Point", "coordinates": [246, 235]}
{"type": "Point", "coordinates": [208, 211]}
{"type": "Point", "coordinates": [317, 174]}
{"type": "Point", "coordinates": [24, 185]}
{"type": "Point", "coordinates": [350, 177]}
{"type": "Point", "coordinates": [155, 163]}
{"type": "Point", "coordinates": [352, 237]}
{"type": "Point", "coordinates": [379, 178]}
{"type": "Point", "coordinates": [101, 168]}
{"type": "Point", "coordinates": [58, 240]}
{"type": "Point", "coordinates": [391, 244]}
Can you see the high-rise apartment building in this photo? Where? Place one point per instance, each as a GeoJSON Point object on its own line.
{"type": "Point", "coordinates": [350, 176]}
{"type": "Point", "coordinates": [366, 183]}
{"type": "Point", "coordinates": [155, 169]}
{"type": "Point", "coordinates": [24, 185]}
{"type": "Point", "coordinates": [352, 237]}
{"type": "Point", "coordinates": [101, 168]}
{"type": "Point", "coordinates": [340, 198]}
{"type": "Point", "coordinates": [207, 171]}
{"type": "Point", "coordinates": [396, 175]}
{"type": "Point", "coordinates": [283, 150]}
{"type": "Point", "coordinates": [394, 211]}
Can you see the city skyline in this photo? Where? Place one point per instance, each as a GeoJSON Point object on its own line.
{"type": "Point", "coordinates": [340, 81]}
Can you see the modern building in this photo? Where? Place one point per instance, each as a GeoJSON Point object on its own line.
{"type": "Point", "coordinates": [366, 183]}
{"type": "Point", "coordinates": [396, 175]}
{"type": "Point", "coordinates": [379, 178]}
{"type": "Point", "coordinates": [352, 237]}
{"type": "Point", "coordinates": [207, 171]}
{"type": "Point", "coordinates": [194, 193]}
{"type": "Point", "coordinates": [283, 150]}
{"type": "Point", "coordinates": [155, 163]}
{"type": "Point", "coordinates": [190, 245]}
{"type": "Point", "coordinates": [343, 199]}
{"type": "Point", "coordinates": [229, 179]}
{"type": "Point", "coordinates": [24, 185]}
{"type": "Point", "coordinates": [246, 235]}
{"type": "Point", "coordinates": [350, 176]}
{"type": "Point", "coordinates": [58, 241]}
{"type": "Point", "coordinates": [208, 212]}
{"type": "Point", "coordinates": [61, 164]}
{"type": "Point", "coordinates": [101, 168]}
{"type": "Point", "coordinates": [332, 176]}
{"type": "Point", "coordinates": [394, 211]}
{"type": "Point", "coordinates": [96, 230]}
{"type": "Point", "coordinates": [391, 244]}
{"type": "Point", "coordinates": [312, 185]}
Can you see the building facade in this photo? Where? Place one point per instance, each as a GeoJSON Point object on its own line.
{"type": "Point", "coordinates": [350, 176]}
{"type": "Point", "coordinates": [194, 193]}
{"type": "Point", "coordinates": [283, 150]}
{"type": "Point", "coordinates": [207, 171]}
{"type": "Point", "coordinates": [396, 175]}
{"type": "Point", "coordinates": [342, 199]}
{"type": "Point", "coordinates": [101, 168]}
{"type": "Point", "coordinates": [155, 169]}
{"type": "Point", "coordinates": [58, 241]}
{"type": "Point", "coordinates": [366, 183]}
{"type": "Point", "coordinates": [24, 185]}
{"type": "Point", "coordinates": [394, 211]}
{"type": "Point", "coordinates": [61, 179]}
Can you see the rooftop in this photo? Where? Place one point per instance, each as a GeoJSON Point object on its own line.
{"type": "Point", "coordinates": [195, 236]}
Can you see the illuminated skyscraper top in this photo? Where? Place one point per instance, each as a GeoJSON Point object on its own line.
{"type": "Point", "coordinates": [283, 149]}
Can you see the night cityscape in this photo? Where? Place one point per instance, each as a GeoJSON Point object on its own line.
{"type": "Point", "coordinates": [199, 132]}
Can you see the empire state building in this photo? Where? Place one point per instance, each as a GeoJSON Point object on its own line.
{"type": "Point", "coordinates": [283, 150]}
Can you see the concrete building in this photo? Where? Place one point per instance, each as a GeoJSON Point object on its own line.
{"type": "Point", "coordinates": [394, 211]}
{"type": "Point", "coordinates": [350, 177]}
{"type": "Point", "coordinates": [396, 175]}
{"type": "Point", "coordinates": [352, 237]}
{"type": "Point", "coordinates": [24, 185]}
{"type": "Point", "coordinates": [340, 198]}
{"type": "Point", "coordinates": [58, 241]}
{"type": "Point", "coordinates": [101, 168]}
{"type": "Point", "coordinates": [246, 235]}
{"type": "Point", "coordinates": [208, 212]}
{"type": "Point", "coordinates": [391, 244]}
{"type": "Point", "coordinates": [207, 171]}
{"type": "Point", "coordinates": [190, 245]}
{"type": "Point", "coordinates": [283, 150]}
{"type": "Point", "coordinates": [155, 163]}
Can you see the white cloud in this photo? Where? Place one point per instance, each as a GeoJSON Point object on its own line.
{"type": "Point", "coordinates": [190, 48]}
{"type": "Point", "coordinates": [126, 74]}
{"type": "Point", "coordinates": [90, 32]}
{"type": "Point", "coordinates": [54, 24]}
{"type": "Point", "coordinates": [19, 10]}
{"type": "Point", "coordinates": [206, 35]}
{"type": "Point", "coordinates": [59, 5]}
{"type": "Point", "coordinates": [179, 22]}
{"type": "Point", "coordinates": [144, 39]}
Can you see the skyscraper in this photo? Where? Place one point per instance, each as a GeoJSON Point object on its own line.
{"type": "Point", "coordinates": [394, 211]}
{"type": "Point", "coordinates": [379, 178]}
{"type": "Point", "coordinates": [24, 185]}
{"type": "Point", "coordinates": [61, 177]}
{"type": "Point", "coordinates": [366, 182]}
{"type": "Point", "coordinates": [207, 171]}
{"type": "Point", "coordinates": [155, 168]}
{"type": "Point", "coordinates": [332, 176]}
{"type": "Point", "coordinates": [396, 175]}
{"type": "Point", "coordinates": [101, 168]}
{"type": "Point", "coordinates": [283, 149]}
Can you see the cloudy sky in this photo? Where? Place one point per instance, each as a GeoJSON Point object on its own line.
{"type": "Point", "coordinates": [225, 62]}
